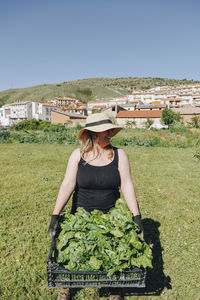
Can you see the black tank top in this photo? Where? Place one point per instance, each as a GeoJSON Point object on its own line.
{"type": "Point", "coordinates": [97, 187]}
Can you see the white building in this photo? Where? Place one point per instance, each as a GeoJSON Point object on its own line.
{"type": "Point", "coordinates": [5, 115]}
{"type": "Point", "coordinates": [147, 97]}
{"type": "Point", "coordinates": [98, 105]}
{"type": "Point", "coordinates": [64, 101]}
{"type": "Point", "coordinates": [15, 112]}
{"type": "Point", "coordinates": [42, 111]}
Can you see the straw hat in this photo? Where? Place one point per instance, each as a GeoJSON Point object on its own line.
{"type": "Point", "coordinates": [99, 122]}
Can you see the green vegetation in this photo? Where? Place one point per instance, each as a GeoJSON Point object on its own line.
{"type": "Point", "coordinates": [169, 116]}
{"type": "Point", "coordinates": [102, 242]}
{"type": "Point", "coordinates": [40, 132]}
{"type": "Point", "coordinates": [167, 187]}
{"type": "Point", "coordinates": [195, 122]}
{"type": "Point", "coordinates": [87, 89]}
{"type": "Point", "coordinates": [130, 124]}
{"type": "Point", "coordinates": [148, 123]}
{"type": "Point", "coordinates": [32, 125]}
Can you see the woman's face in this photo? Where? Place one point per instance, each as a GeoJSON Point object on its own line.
{"type": "Point", "coordinates": [104, 137]}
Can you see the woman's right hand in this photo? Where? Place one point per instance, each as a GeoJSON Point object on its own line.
{"type": "Point", "coordinates": [137, 220]}
{"type": "Point", "coordinates": [53, 225]}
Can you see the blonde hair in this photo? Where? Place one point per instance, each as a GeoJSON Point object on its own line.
{"type": "Point", "coordinates": [89, 143]}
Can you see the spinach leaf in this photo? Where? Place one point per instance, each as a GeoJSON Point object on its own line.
{"type": "Point", "coordinates": [104, 242]}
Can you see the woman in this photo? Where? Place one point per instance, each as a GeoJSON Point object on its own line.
{"type": "Point", "coordinates": [94, 174]}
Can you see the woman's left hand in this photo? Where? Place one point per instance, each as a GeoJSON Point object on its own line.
{"type": "Point", "coordinates": [53, 227]}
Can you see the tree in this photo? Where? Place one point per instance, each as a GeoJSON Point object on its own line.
{"type": "Point", "coordinates": [169, 117]}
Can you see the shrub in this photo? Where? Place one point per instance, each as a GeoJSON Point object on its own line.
{"type": "Point", "coordinates": [4, 136]}
{"type": "Point", "coordinates": [78, 126]}
{"type": "Point", "coordinates": [195, 122]}
{"type": "Point", "coordinates": [130, 124]}
{"type": "Point", "coordinates": [148, 123]}
{"type": "Point", "coordinates": [177, 126]}
{"type": "Point", "coordinates": [31, 125]}
{"type": "Point", "coordinates": [32, 138]}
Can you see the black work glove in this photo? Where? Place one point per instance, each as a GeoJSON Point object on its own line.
{"type": "Point", "coordinates": [53, 227]}
{"type": "Point", "coordinates": [137, 220]}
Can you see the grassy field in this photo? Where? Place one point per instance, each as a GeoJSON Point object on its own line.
{"type": "Point", "coordinates": [167, 186]}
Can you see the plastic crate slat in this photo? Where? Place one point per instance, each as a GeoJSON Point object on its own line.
{"type": "Point", "coordinates": [142, 285]}
{"type": "Point", "coordinates": [94, 280]}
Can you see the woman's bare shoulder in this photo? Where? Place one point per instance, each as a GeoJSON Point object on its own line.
{"type": "Point", "coordinates": [122, 154]}
{"type": "Point", "coordinates": [75, 155]}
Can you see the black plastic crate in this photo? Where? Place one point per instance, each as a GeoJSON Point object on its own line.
{"type": "Point", "coordinates": [58, 276]}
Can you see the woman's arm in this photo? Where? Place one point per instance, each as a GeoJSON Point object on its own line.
{"type": "Point", "coordinates": [69, 182]}
{"type": "Point", "coordinates": [127, 186]}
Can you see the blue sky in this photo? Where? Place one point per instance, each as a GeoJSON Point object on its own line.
{"type": "Point", "coordinates": [45, 41]}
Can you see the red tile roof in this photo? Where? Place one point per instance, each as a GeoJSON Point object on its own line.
{"type": "Point", "coordinates": [48, 104]}
{"type": "Point", "coordinates": [139, 114]}
{"type": "Point", "coordinates": [65, 99]}
{"type": "Point", "coordinates": [99, 106]}
{"type": "Point", "coordinates": [102, 101]}
{"type": "Point", "coordinates": [119, 97]}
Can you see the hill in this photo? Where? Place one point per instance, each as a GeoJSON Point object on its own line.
{"type": "Point", "coordinates": [87, 89]}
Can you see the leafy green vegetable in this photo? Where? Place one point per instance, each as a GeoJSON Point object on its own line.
{"type": "Point", "coordinates": [102, 242]}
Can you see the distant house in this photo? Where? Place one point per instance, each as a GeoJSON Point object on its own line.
{"type": "Point", "coordinates": [147, 97]}
{"type": "Point", "coordinates": [20, 111]}
{"type": "Point", "coordinates": [113, 110]}
{"type": "Point", "coordinates": [172, 101]}
{"type": "Point", "coordinates": [76, 110]}
{"type": "Point", "coordinates": [188, 112]}
{"type": "Point", "coordinates": [5, 115]}
{"type": "Point", "coordinates": [42, 111]}
{"type": "Point", "coordinates": [104, 104]}
{"type": "Point", "coordinates": [91, 105]}
{"type": "Point", "coordinates": [139, 116]}
{"type": "Point", "coordinates": [150, 107]}
{"type": "Point", "coordinates": [15, 112]}
{"type": "Point", "coordinates": [62, 102]}
{"type": "Point", "coordinates": [60, 117]}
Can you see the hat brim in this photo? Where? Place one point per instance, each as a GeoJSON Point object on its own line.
{"type": "Point", "coordinates": [101, 128]}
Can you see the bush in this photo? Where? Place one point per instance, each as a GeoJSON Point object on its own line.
{"type": "Point", "coordinates": [148, 123]}
{"type": "Point", "coordinates": [55, 128]}
{"type": "Point", "coordinates": [195, 122]}
{"type": "Point", "coordinates": [136, 141]}
{"type": "Point", "coordinates": [4, 136]}
{"type": "Point", "coordinates": [177, 126]}
{"type": "Point", "coordinates": [78, 126]}
{"type": "Point", "coordinates": [31, 125]}
{"type": "Point", "coordinates": [130, 124]}
{"type": "Point", "coordinates": [32, 138]}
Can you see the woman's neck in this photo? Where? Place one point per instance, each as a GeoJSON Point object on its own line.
{"type": "Point", "coordinates": [97, 152]}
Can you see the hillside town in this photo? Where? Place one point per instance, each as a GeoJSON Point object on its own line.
{"type": "Point", "coordinates": [136, 107]}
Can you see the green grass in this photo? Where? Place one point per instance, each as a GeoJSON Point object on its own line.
{"type": "Point", "coordinates": [167, 186]}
